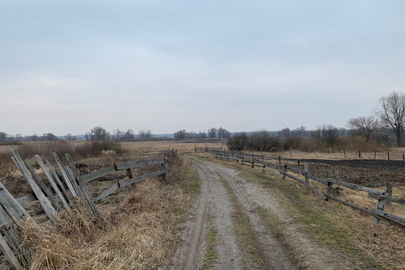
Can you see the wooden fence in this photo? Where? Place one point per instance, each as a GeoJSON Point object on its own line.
{"type": "Point", "coordinates": [383, 198]}
{"type": "Point", "coordinates": [66, 189]}
{"type": "Point", "coordinates": [207, 149]}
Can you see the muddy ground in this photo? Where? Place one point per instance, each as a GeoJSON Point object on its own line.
{"type": "Point", "coordinates": [366, 172]}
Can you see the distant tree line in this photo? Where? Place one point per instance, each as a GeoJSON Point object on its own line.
{"type": "Point", "coordinates": [384, 129]}
{"type": "Point", "coordinates": [95, 134]}
{"type": "Point", "coordinates": [212, 133]}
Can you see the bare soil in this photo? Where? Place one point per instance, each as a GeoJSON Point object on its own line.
{"type": "Point", "coordinates": [214, 208]}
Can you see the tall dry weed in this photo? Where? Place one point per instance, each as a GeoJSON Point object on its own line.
{"type": "Point", "coordinates": [137, 232]}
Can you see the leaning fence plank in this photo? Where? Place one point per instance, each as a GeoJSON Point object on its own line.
{"type": "Point", "coordinates": [13, 202]}
{"type": "Point", "coordinates": [127, 182]}
{"type": "Point", "coordinates": [73, 183]}
{"type": "Point", "coordinates": [58, 181]}
{"type": "Point", "coordinates": [7, 227]}
{"type": "Point", "coordinates": [106, 193]}
{"type": "Point", "coordinates": [44, 188]}
{"type": "Point", "coordinates": [52, 182]}
{"type": "Point", "coordinates": [93, 176]}
{"type": "Point", "coordinates": [64, 175]}
{"type": "Point", "coordinates": [46, 205]}
{"type": "Point", "coordinates": [9, 254]}
{"type": "Point", "coordinates": [82, 186]}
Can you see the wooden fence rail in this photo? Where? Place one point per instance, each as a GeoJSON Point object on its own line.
{"type": "Point", "coordinates": [67, 188]}
{"type": "Point", "coordinates": [261, 161]}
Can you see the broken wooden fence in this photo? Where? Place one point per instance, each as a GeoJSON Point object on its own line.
{"type": "Point", "coordinates": [66, 189]}
{"type": "Point", "coordinates": [261, 161]}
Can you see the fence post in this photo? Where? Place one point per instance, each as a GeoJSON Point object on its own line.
{"type": "Point", "coordinates": [382, 202]}
{"type": "Point", "coordinates": [359, 154]}
{"type": "Point", "coordinates": [285, 169]}
{"type": "Point", "coordinates": [279, 159]}
{"type": "Point", "coordinates": [388, 154]}
{"type": "Point", "coordinates": [253, 161]}
{"type": "Point", "coordinates": [375, 155]}
{"type": "Point", "coordinates": [389, 192]}
{"type": "Point", "coordinates": [306, 176]}
{"type": "Point", "coordinates": [299, 166]}
{"type": "Point", "coordinates": [243, 158]}
{"type": "Point", "coordinates": [264, 166]}
{"type": "Point", "coordinates": [329, 189]}
{"type": "Point", "coordinates": [326, 171]}
{"type": "Point", "coordinates": [166, 170]}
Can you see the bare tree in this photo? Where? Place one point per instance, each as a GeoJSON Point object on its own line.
{"type": "Point", "coordinates": [145, 134]}
{"type": "Point", "coordinates": [365, 126]}
{"type": "Point", "coordinates": [284, 133]}
{"type": "Point", "coordinates": [180, 135]}
{"type": "Point", "coordinates": [97, 134]}
{"type": "Point", "coordinates": [18, 137]}
{"type": "Point", "coordinates": [129, 135]}
{"type": "Point", "coordinates": [203, 135]}
{"type": "Point", "coordinates": [51, 137]}
{"type": "Point", "coordinates": [3, 136]}
{"type": "Point", "coordinates": [70, 137]}
{"type": "Point", "coordinates": [392, 113]}
{"type": "Point", "coordinates": [212, 132]}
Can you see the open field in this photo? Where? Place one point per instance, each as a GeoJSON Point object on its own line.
{"type": "Point", "coordinates": [246, 208]}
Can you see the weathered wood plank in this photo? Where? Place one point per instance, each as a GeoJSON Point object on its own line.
{"type": "Point", "coordinates": [13, 202]}
{"type": "Point", "coordinates": [82, 186]}
{"type": "Point", "coordinates": [95, 175]}
{"type": "Point", "coordinates": [127, 182]}
{"type": "Point", "coordinates": [59, 182]}
{"type": "Point", "coordinates": [52, 182]}
{"type": "Point", "coordinates": [138, 164]}
{"type": "Point", "coordinates": [388, 215]}
{"type": "Point", "coordinates": [393, 199]}
{"type": "Point", "coordinates": [44, 188]}
{"type": "Point", "coordinates": [106, 193]}
{"type": "Point", "coordinates": [353, 186]}
{"type": "Point", "coordinates": [64, 175]}
{"type": "Point", "coordinates": [74, 183]}
{"type": "Point", "coordinates": [7, 227]}
{"type": "Point", "coordinates": [366, 211]}
{"type": "Point", "coordinates": [46, 205]}
{"type": "Point", "coordinates": [319, 180]}
{"type": "Point", "coordinates": [9, 254]}
{"type": "Point", "coordinates": [27, 199]}
{"type": "Point", "coordinates": [303, 182]}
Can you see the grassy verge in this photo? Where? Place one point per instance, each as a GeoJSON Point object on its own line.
{"type": "Point", "coordinates": [210, 255]}
{"type": "Point", "coordinates": [332, 225]}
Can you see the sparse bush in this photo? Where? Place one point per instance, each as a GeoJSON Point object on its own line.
{"type": "Point", "coordinates": [96, 148]}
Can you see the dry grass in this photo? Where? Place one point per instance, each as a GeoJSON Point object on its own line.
{"type": "Point", "coordinates": [138, 229]}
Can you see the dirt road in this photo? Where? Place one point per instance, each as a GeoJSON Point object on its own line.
{"type": "Point", "coordinates": [224, 200]}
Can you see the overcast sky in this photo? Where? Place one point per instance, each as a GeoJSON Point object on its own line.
{"type": "Point", "coordinates": [67, 66]}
